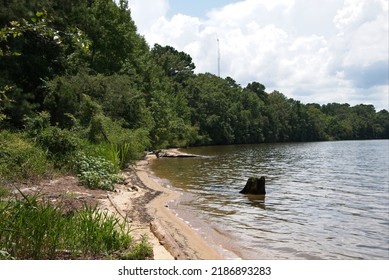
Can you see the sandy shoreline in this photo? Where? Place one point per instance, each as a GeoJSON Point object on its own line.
{"type": "Point", "coordinates": [192, 245]}
{"type": "Point", "coordinates": [144, 201]}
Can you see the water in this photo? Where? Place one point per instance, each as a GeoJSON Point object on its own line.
{"type": "Point", "coordinates": [325, 200]}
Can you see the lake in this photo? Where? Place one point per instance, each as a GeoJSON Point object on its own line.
{"type": "Point", "coordinates": [325, 200]}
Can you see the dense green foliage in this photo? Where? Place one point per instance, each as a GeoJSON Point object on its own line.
{"type": "Point", "coordinates": [21, 159]}
{"type": "Point", "coordinates": [96, 172]}
{"type": "Point", "coordinates": [31, 229]}
{"type": "Point", "coordinates": [83, 63]}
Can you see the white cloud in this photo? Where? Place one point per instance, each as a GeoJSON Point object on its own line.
{"type": "Point", "coordinates": [245, 11]}
{"type": "Point", "coordinates": [314, 51]}
{"type": "Point", "coordinates": [362, 37]}
{"type": "Point", "coordinates": [349, 14]}
{"type": "Point", "coordinates": [146, 12]}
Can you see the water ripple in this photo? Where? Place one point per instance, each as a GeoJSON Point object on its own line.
{"type": "Point", "coordinates": [325, 200]}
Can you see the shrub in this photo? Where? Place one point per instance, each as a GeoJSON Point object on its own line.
{"type": "Point", "coordinates": [140, 251]}
{"type": "Point", "coordinates": [59, 142]}
{"type": "Point", "coordinates": [96, 172]}
{"type": "Point", "coordinates": [115, 143]}
{"type": "Point", "coordinates": [21, 159]}
{"type": "Point", "coordinates": [97, 129]}
{"type": "Point", "coordinates": [35, 125]}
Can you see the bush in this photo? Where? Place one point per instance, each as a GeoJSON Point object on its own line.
{"type": "Point", "coordinates": [96, 172]}
{"type": "Point", "coordinates": [115, 143]}
{"type": "Point", "coordinates": [140, 251]}
{"type": "Point", "coordinates": [21, 159]}
{"type": "Point", "coordinates": [59, 142]}
{"type": "Point", "coordinates": [35, 125]}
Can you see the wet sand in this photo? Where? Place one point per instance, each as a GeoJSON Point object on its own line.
{"type": "Point", "coordinates": [145, 203]}
{"type": "Point", "coordinates": [190, 242]}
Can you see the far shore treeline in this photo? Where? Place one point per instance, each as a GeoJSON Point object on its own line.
{"type": "Point", "coordinates": [76, 78]}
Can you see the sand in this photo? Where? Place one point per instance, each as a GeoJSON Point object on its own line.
{"type": "Point", "coordinates": [142, 200]}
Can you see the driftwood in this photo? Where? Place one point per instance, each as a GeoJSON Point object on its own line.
{"type": "Point", "coordinates": [118, 210]}
{"type": "Point", "coordinates": [173, 154]}
{"type": "Point", "coordinates": [254, 185]}
{"type": "Point", "coordinates": [167, 240]}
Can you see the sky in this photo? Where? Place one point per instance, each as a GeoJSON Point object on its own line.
{"type": "Point", "coordinates": [315, 51]}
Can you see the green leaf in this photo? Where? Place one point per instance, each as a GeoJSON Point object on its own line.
{"type": "Point", "coordinates": [33, 19]}
{"type": "Point", "coordinates": [15, 23]}
{"type": "Point", "coordinates": [39, 14]}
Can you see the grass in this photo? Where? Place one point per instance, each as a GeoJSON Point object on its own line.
{"type": "Point", "coordinates": [142, 250]}
{"type": "Point", "coordinates": [34, 229]}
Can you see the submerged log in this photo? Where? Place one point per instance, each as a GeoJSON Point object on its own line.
{"type": "Point", "coordinates": [254, 185]}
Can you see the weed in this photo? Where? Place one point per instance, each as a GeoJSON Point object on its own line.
{"type": "Point", "coordinates": [100, 231]}
{"type": "Point", "coordinates": [34, 229]}
{"type": "Point", "coordinates": [140, 251]}
{"type": "Point", "coordinates": [120, 155]}
{"type": "Point", "coordinates": [96, 172]}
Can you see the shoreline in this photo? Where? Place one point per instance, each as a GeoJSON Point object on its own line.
{"type": "Point", "coordinates": [190, 242]}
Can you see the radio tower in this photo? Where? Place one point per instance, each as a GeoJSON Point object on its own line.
{"type": "Point", "coordinates": [218, 57]}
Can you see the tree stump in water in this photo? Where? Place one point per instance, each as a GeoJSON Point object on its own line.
{"type": "Point", "coordinates": [254, 185]}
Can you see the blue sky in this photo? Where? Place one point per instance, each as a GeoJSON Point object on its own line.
{"type": "Point", "coordinates": [195, 8]}
{"type": "Point", "coordinates": [317, 51]}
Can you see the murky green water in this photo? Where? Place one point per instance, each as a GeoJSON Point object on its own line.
{"type": "Point", "coordinates": [325, 200]}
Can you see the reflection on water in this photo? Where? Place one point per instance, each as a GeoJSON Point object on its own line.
{"type": "Point", "coordinates": [325, 200]}
{"type": "Point", "coordinates": [256, 200]}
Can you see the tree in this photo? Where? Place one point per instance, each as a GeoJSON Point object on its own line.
{"type": "Point", "coordinates": [31, 51]}
{"type": "Point", "coordinates": [211, 101]}
{"type": "Point", "coordinates": [113, 35]}
{"type": "Point", "coordinates": [381, 126]}
{"type": "Point", "coordinates": [169, 129]}
{"type": "Point", "coordinates": [362, 118]}
{"type": "Point", "coordinates": [278, 110]}
{"type": "Point", "coordinates": [177, 65]}
{"type": "Point", "coordinates": [258, 89]}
